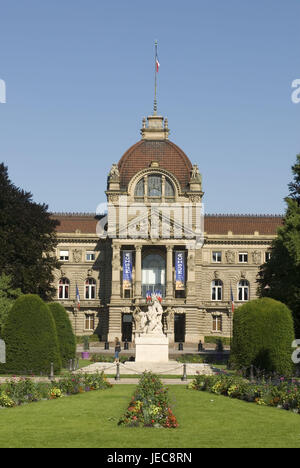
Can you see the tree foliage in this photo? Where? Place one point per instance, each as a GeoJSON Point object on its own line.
{"type": "Point", "coordinates": [263, 332]}
{"type": "Point", "coordinates": [30, 336]}
{"type": "Point", "coordinates": [27, 240]}
{"type": "Point", "coordinates": [7, 297]}
{"type": "Point", "coordinates": [66, 337]}
{"type": "Point", "coordinates": [279, 278]}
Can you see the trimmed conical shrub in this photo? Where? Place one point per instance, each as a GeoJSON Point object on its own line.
{"type": "Point", "coordinates": [263, 332]}
{"type": "Point", "coordinates": [66, 337]}
{"type": "Point", "coordinates": [30, 336]}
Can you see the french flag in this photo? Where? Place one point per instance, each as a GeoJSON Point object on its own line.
{"type": "Point", "coordinates": [148, 296]}
{"type": "Point", "coordinates": [159, 296]}
{"type": "Point", "coordinates": [77, 297]}
{"type": "Point", "coordinates": [157, 65]}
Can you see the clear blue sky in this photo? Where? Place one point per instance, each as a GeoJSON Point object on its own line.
{"type": "Point", "coordinates": [79, 76]}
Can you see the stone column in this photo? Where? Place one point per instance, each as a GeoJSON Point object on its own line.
{"type": "Point", "coordinates": [191, 278]}
{"type": "Point", "coordinates": [138, 271]}
{"type": "Point", "coordinates": [170, 283]}
{"type": "Point", "coordinates": [116, 273]}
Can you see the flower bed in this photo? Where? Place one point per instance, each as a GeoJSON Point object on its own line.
{"type": "Point", "coordinates": [283, 394]}
{"type": "Point", "coordinates": [150, 405]}
{"type": "Point", "coordinates": [15, 392]}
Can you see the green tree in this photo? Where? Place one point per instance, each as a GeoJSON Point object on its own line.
{"type": "Point", "coordinates": [30, 336]}
{"type": "Point", "coordinates": [66, 337]}
{"type": "Point", "coordinates": [279, 278]}
{"type": "Point", "coordinates": [7, 297]}
{"type": "Point", "coordinates": [263, 332]}
{"type": "Point", "coordinates": [27, 240]}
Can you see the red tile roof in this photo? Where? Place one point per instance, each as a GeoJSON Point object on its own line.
{"type": "Point", "coordinates": [214, 224]}
{"type": "Point", "coordinates": [167, 154]}
{"type": "Point", "coordinates": [242, 225]}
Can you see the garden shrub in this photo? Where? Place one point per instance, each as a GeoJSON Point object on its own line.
{"type": "Point", "coordinates": [15, 392]}
{"type": "Point", "coordinates": [282, 393]}
{"type": "Point", "coordinates": [66, 337]}
{"type": "Point", "coordinates": [150, 405]}
{"type": "Point", "coordinates": [31, 339]}
{"type": "Point", "coordinates": [263, 333]}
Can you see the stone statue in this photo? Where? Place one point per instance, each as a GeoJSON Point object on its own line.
{"type": "Point", "coordinates": [140, 319]}
{"type": "Point", "coordinates": [169, 318]}
{"type": "Point", "coordinates": [154, 316]}
{"type": "Point", "coordinates": [114, 172]}
{"type": "Point", "coordinates": [195, 173]}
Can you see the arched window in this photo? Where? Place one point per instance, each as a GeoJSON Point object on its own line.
{"type": "Point", "coordinates": [217, 290]}
{"type": "Point", "coordinates": [139, 189]}
{"type": "Point", "coordinates": [243, 290]}
{"type": "Point", "coordinates": [169, 189]}
{"type": "Point", "coordinates": [154, 186]}
{"type": "Point", "coordinates": [90, 288]}
{"type": "Point", "coordinates": [63, 288]}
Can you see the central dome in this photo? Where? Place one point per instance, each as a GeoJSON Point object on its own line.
{"type": "Point", "coordinates": [169, 156]}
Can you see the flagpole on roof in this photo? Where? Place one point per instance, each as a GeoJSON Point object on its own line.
{"type": "Point", "coordinates": [155, 85]}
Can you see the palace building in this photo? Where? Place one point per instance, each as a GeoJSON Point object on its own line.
{"type": "Point", "coordinates": [155, 239]}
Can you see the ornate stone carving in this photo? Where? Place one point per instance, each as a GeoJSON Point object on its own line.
{"type": "Point", "coordinates": [195, 198]}
{"type": "Point", "coordinates": [216, 274]}
{"type": "Point", "coordinates": [256, 257]}
{"type": "Point", "coordinates": [149, 322]}
{"type": "Point", "coordinates": [243, 274]}
{"type": "Point", "coordinates": [195, 174]}
{"type": "Point", "coordinates": [77, 255]}
{"type": "Point", "coordinates": [113, 198]}
{"type": "Point", "coordinates": [230, 256]}
{"type": "Point", "coordinates": [169, 318]}
{"type": "Point", "coordinates": [114, 174]}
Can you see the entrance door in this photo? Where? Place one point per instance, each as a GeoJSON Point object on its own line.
{"type": "Point", "coordinates": [153, 275]}
{"type": "Point", "coordinates": [179, 328]}
{"type": "Point", "coordinates": [127, 327]}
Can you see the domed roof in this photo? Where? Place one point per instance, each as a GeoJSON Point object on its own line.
{"type": "Point", "coordinates": [167, 154]}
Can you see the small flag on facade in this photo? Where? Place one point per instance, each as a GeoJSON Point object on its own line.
{"type": "Point", "coordinates": [77, 297]}
{"type": "Point", "coordinates": [148, 296]}
{"type": "Point", "coordinates": [232, 300]}
{"type": "Point", "coordinates": [157, 65]}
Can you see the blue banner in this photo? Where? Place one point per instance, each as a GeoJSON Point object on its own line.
{"type": "Point", "coordinates": [180, 270]}
{"type": "Point", "coordinates": [127, 269]}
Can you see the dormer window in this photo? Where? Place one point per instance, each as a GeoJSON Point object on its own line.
{"type": "Point", "coordinates": [154, 186]}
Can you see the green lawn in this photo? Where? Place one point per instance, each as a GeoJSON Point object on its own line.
{"type": "Point", "coordinates": [90, 420]}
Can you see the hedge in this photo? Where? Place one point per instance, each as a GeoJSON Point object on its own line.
{"type": "Point", "coordinates": [66, 337]}
{"type": "Point", "coordinates": [263, 332]}
{"type": "Point", "coordinates": [31, 339]}
{"type": "Point", "coordinates": [216, 339]}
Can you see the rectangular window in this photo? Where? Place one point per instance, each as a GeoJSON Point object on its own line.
{"type": "Point", "coordinates": [89, 321]}
{"type": "Point", "coordinates": [243, 257]}
{"type": "Point", "coordinates": [64, 255]}
{"type": "Point", "coordinates": [217, 323]}
{"type": "Point", "coordinates": [90, 256]}
{"type": "Point", "coordinates": [217, 257]}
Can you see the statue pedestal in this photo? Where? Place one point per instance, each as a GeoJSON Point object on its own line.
{"type": "Point", "coordinates": [151, 348]}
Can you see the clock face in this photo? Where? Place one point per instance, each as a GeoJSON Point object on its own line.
{"type": "Point", "coordinates": [154, 186]}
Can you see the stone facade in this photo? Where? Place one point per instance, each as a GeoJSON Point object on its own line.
{"type": "Point", "coordinates": [155, 172]}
